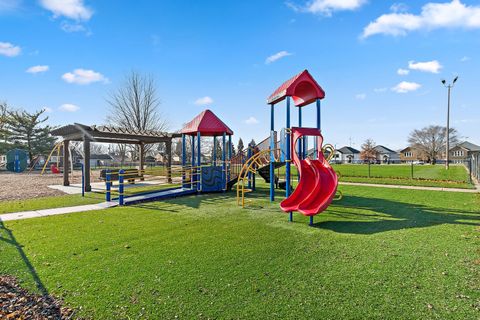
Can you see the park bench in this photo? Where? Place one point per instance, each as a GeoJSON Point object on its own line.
{"type": "Point", "coordinates": [130, 175]}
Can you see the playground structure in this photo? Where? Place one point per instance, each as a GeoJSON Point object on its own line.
{"type": "Point", "coordinates": [197, 174]}
{"type": "Point", "coordinates": [318, 181]}
{"type": "Point", "coordinates": [16, 160]}
{"type": "Point", "coordinates": [317, 184]}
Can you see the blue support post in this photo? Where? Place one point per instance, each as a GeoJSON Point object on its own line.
{"type": "Point", "coordinates": [287, 156]}
{"type": "Point", "coordinates": [16, 164]}
{"type": "Point", "coordinates": [311, 221]}
{"type": "Point", "coordinates": [193, 171]}
{"type": "Point", "coordinates": [199, 162]}
{"type": "Point", "coordinates": [300, 141]}
{"type": "Point", "coordinates": [108, 186]}
{"type": "Point", "coordinates": [184, 159]}
{"type": "Point", "coordinates": [83, 180]}
{"type": "Point", "coordinates": [121, 174]}
{"type": "Point", "coordinates": [214, 151]}
{"type": "Point", "coordinates": [272, 156]}
{"type": "Point", "coordinates": [229, 156]}
{"type": "Point", "coordinates": [318, 127]}
{"type": "Point", "coordinates": [249, 174]}
{"type": "Point", "coordinates": [224, 164]}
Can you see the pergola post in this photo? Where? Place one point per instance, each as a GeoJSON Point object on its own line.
{"type": "Point", "coordinates": [142, 161]}
{"type": "Point", "coordinates": [66, 167]}
{"type": "Point", "coordinates": [168, 147]}
{"type": "Point", "coordinates": [86, 164]}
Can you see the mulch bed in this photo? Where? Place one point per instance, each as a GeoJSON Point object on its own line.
{"type": "Point", "coordinates": [18, 303]}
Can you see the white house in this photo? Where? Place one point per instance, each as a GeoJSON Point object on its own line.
{"type": "Point", "coordinates": [386, 155]}
{"type": "Point", "coordinates": [347, 155]}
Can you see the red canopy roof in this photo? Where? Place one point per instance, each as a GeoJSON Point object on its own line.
{"type": "Point", "coordinates": [208, 124]}
{"type": "Point", "coordinates": [302, 88]}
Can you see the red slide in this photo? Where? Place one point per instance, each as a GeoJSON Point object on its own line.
{"type": "Point", "coordinates": [318, 181]}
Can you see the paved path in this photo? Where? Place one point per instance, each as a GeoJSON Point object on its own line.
{"type": "Point", "coordinates": [51, 212]}
{"type": "Point", "coordinates": [410, 187]}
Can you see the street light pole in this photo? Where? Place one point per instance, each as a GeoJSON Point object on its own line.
{"type": "Point", "coordinates": [447, 151]}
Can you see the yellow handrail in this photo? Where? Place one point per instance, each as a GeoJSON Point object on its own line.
{"type": "Point", "coordinates": [250, 166]}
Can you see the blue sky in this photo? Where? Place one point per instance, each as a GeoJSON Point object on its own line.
{"type": "Point", "coordinates": [380, 62]}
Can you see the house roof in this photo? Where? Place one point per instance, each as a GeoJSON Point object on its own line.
{"type": "Point", "coordinates": [348, 150]}
{"type": "Point", "coordinates": [383, 149]}
{"type": "Point", "coordinates": [302, 88]}
{"type": "Point", "coordinates": [208, 124]}
{"type": "Point", "coordinates": [406, 149]}
{"type": "Point", "coordinates": [469, 146]}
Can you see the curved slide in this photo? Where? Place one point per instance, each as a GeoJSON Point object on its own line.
{"type": "Point", "coordinates": [318, 181]}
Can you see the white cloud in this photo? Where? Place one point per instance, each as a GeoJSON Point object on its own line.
{"type": "Point", "coordinates": [68, 107]}
{"type": "Point", "coordinates": [403, 72]}
{"type": "Point", "coordinates": [452, 14]}
{"type": "Point", "coordinates": [361, 96]}
{"type": "Point", "coordinates": [37, 69]}
{"type": "Point", "coordinates": [277, 56]}
{"type": "Point", "coordinates": [9, 50]}
{"type": "Point", "coordinates": [428, 66]}
{"type": "Point", "coordinates": [82, 76]}
{"type": "Point", "coordinates": [404, 87]}
{"type": "Point", "coordinates": [327, 7]}
{"type": "Point", "coordinates": [464, 59]}
{"type": "Point", "coordinates": [399, 7]}
{"type": "Point", "coordinates": [48, 110]}
{"type": "Point", "coordinates": [72, 27]}
{"type": "Point", "coordinates": [72, 9]}
{"type": "Point", "coordinates": [251, 120]}
{"type": "Point", "coordinates": [204, 101]}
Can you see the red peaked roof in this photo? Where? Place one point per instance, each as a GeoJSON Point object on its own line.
{"type": "Point", "coordinates": [208, 124]}
{"type": "Point", "coordinates": [302, 88]}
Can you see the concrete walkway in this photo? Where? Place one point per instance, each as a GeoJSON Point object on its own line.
{"type": "Point", "coordinates": [55, 211]}
{"type": "Point", "coordinates": [391, 186]}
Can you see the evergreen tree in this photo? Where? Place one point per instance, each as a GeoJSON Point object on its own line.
{"type": "Point", "coordinates": [240, 145]}
{"type": "Point", "coordinates": [252, 143]}
{"type": "Point", "coordinates": [4, 145]}
{"type": "Point", "coordinates": [26, 130]}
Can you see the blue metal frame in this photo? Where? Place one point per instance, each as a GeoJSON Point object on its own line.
{"type": "Point", "coordinates": [224, 164]}
{"type": "Point", "coordinates": [199, 160]}
{"type": "Point", "coordinates": [193, 171]}
{"type": "Point", "coordinates": [121, 187]}
{"type": "Point", "coordinates": [214, 150]}
{"type": "Point", "coordinates": [184, 158]}
{"type": "Point", "coordinates": [108, 186]}
{"type": "Point", "coordinates": [287, 156]}
{"type": "Point", "coordinates": [229, 156]}
{"type": "Point", "coordinates": [272, 156]}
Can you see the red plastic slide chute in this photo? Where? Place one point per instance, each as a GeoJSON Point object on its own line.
{"type": "Point", "coordinates": [318, 181]}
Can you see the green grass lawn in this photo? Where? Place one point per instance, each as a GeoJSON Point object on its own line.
{"type": "Point", "coordinates": [429, 172]}
{"type": "Point", "coordinates": [378, 253]}
{"type": "Point", "coordinates": [410, 182]}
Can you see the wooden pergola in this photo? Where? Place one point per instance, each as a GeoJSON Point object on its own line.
{"type": "Point", "coordinates": [108, 134]}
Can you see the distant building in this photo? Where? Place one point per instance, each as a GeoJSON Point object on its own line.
{"type": "Point", "coordinates": [410, 154]}
{"type": "Point", "coordinates": [463, 152]}
{"type": "Point", "coordinates": [3, 159]}
{"type": "Point", "coordinates": [386, 155]}
{"type": "Point", "coordinates": [347, 155]}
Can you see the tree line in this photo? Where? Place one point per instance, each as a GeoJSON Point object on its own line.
{"type": "Point", "coordinates": [429, 142]}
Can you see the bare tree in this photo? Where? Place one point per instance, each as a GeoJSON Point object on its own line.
{"type": "Point", "coordinates": [97, 148]}
{"type": "Point", "coordinates": [369, 153]}
{"type": "Point", "coordinates": [135, 105]}
{"type": "Point", "coordinates": [431, 141]}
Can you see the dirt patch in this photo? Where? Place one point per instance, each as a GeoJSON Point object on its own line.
{"type": "Point", "coordinates": [18, 303]}
{"type": "Point", "coordinates": [20, 186]}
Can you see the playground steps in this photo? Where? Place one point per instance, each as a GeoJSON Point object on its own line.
{"type": "Point", "coordinates": [264, 172]}
{"type": "Point", "coordinates": [231, 183]}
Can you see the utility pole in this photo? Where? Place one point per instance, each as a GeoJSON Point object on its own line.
{"type": "Point", "coordinates": [447, 151]}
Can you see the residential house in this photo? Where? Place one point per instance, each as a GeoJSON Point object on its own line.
{"type": "Point", "coordinates": [386, 155]}
{"type": "Point", "coordinates": [347, 155]}
{"type": "Point", "coordinates": [463, 152]}
{"type": "Point", "coordinates": [3, 160]}
{"type": "Point", "coordinates": [410, 155]}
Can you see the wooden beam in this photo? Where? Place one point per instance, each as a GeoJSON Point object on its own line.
{"type": "Point", "coordinates": [86, 163]}
{"type": "Point", "coordinates": [142, 160]}
{"type": "Point", "coordinates": [168, 147]}
{"type": "Point", "coordinates": [66, 167]}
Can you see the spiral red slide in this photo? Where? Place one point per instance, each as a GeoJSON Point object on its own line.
{"type": "Point", "coordinates": [318, 181]}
